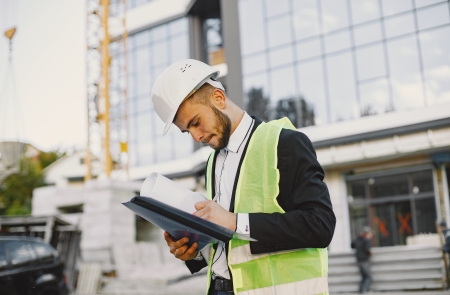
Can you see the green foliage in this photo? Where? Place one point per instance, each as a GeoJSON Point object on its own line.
{"type": "Point", "coordinates": [16, 190]}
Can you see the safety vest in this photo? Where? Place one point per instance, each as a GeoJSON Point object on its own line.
{"type": "Point", "coordinates": [299, 271]}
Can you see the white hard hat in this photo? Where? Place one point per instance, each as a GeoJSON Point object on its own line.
{"type": "Point", "coordinates": [175, 84]}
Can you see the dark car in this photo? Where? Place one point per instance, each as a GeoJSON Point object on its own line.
{"type": "Point", "coordinates": [29, 266]}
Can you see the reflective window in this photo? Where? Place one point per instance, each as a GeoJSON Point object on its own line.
{"type": "Point", "coordinates": [364, 10]}
{"type": "Point", "coordinates": [150, 52]}
{"type": "Point", "coordinates": [426, 215]}
{"type": "Point", "coordinates": [179, 48]}
{"type": "Point", "coordinates": [307, 49]}
{"type": "Point", "coordinates": [276, 7]}
{"type": "Point", "coordinates": [252, 29]}
{"type": "Point", "coordinates": [279, 31]}
{"type": "Point", "coordinates": [305, 19]}
{"type": "Point", "coordinates": [371, 62]}
{"type": "Point", "coordinates": [257, 100]}
{"type": "Point", "coordinates": [337, 41]}
{"type": "Point", "coordinates": [3, 262]}
{"type": "Point", "coordinates": [254, 63]}
{"type": "Point", "coordinates": [282, 84]}
{"type": "Point", "coordinates": [433, 16]}
{"type": "Point", "coordinates": [334, 15]}
{"type": "Point", "coordinates": [44, 252]}
{"type": "Point", "coordinates": [20, 253]}
{"type": "Point", "coordinates": [374, 97]}
{"type": "Point", "coordinates": [142, 38]}
{"type": "Point", "coordinates": [281, 56]}
{"type": "Point", "coordinates": [312, 89]}
{"type": "Point", "coordinates": [405, 73]}
{"type": "Point", "coordinates": [367, 33]}
{"type": "Point", "coordinates": [341, 87]}
{"type": "Point", "coordinates": [422, 3]}
{"type": "Point", "coordinates": [393, 7]}
{"type": "Point", "coordinates": [436, 63]}
{"type": "Point", "coordinates": [399, 25]}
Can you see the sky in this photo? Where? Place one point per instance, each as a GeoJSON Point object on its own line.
{"type": "Point", "coordinates": [49, 72]}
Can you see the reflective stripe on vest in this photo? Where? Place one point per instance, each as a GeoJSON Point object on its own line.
{"type": "Point", "coordinates": [299, 271]}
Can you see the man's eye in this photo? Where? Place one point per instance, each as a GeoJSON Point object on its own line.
{"type": "Point", "coordinates": [195, 124]}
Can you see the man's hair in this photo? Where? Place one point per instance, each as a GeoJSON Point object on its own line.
{"type": "Point", "coordinates": [202, 95]}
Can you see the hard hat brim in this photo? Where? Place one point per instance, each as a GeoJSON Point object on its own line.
{"type": "Point", "coordinates": [169, 121]}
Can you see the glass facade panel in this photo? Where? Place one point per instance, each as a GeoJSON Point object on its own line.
{"type": "Point", "coordinates": [312, 88]}
{"type": "Point", "coordinates": [334, 14]}
{"type": "Point", "coordinates": [433, 16]}
{"type": "Point", "coordinates": [307, 49]}
{"type": "Point", "coordinates": [252, 29]}
{"type": "Point", "coordinates": [341, 87]}
{"type": "Point", "coordinates": [371, 63]}
{"type": "Point", "coordinates": [279, 31]}
{"type": "Point", "coordinates": [150, 52]}
{"type": "Point", "coordinates": [337, 41]}
{"type": "Point", "coordinates": [393, 7]}
{"type": "Point", "coordinates": [305, 19]}
{"type": "Point", "coordinates": [281, 56]}
{"type": "Point", "coordinates": [389, 186]}
{"type": "Point", "coordinates": [367, 33]}
{"type": "Point", "coordinates": [423, 3]}
{"type": "Point", "coordinates": [277, 7]}
{"type": "Point", "coordinates": [364, 10]}
{"type": "Point", "coordinates": [436, 63]}
{"type": "Point", "coordinates": [405, 73]}
{"type": "Point", "coordinates": [374, 97]}
{"type": "Point", "coordinates": [367, 52]}
{"type": "Point", "coordinates": [254, 63]}
{"type": "Point", "coordinates": [282, 84]}
{"type": "Point", "coordinates": [399, 25]}
{"type": "Point", "coordinates": [426, 216]}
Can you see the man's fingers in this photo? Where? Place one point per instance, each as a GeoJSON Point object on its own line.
{"type": "Point", "coordinates": [189, 253]}
{"type": "Point", "coordinates": [200, 205]}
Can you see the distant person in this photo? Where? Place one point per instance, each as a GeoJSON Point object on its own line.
{"type": "Point", "coordinates": [446, 234]}
{"type": "Point", "coordinates": [362, 245]}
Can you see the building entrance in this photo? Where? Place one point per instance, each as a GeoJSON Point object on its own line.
{"type": "Point", "coordinates": [396, 204]}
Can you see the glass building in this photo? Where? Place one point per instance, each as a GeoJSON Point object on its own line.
{"type": "Point", "coordinates": [366, 80]}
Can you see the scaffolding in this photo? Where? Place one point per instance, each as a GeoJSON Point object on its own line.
{"type": "Point", "coordinates": [107, 104]}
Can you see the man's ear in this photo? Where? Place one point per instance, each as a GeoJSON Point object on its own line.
{"type": "Point", "coordinates": [219, 99]}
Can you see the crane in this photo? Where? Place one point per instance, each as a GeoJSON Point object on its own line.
{"type": "Point", "coordinates": [107, 103]}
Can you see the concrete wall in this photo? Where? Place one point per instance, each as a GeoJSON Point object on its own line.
{"type": "Point", "coordinates": [338, 193]}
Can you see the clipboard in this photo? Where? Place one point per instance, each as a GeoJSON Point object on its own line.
{"type": "Point", "coordinates": [179, 223]}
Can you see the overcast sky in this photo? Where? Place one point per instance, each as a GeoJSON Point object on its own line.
{"type": "Point", "coordinates": [49, 69]}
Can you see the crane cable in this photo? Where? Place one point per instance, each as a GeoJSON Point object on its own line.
{"type": "Point", "coordinates": [11, 123]}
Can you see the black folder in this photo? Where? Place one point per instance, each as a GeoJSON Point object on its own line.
{"type": "Point", "coordinates": [179, 223]}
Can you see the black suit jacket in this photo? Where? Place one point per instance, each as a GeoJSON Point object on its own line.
{"type": "Point", "coordinates": [309, 220]}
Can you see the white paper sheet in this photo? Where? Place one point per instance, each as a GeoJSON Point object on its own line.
{"type": "Point", "coordinates": [162, 189]}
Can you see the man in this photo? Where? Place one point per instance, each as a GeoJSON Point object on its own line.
{"type": "Point", "coordinates": [362, 245]}
{"type": "Point", "coordinates": [263, 179]}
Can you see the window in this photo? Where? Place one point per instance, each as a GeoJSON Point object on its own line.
{"type": "Point", "coordinates": [364, 10]}
{"type": "Point", "coordinates": [433, 16]}
{"type": "Point", "coordinates": [367, 33]}
{"type": "Point", "coordinates": [396, 204]}
{"type": "Point", "coordinates": [3, 262]}
{"type": "Point", "coordinates": [44, 252]}
{"type": "Point", "coordinates": [21, 253]}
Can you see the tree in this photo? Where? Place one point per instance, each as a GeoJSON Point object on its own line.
{"type": "Point", "coordinates": [297, 110]}
{"type": "Point", "coordinates": [16, 190]}
{"type": "Point", "coordinates": [258, 104]}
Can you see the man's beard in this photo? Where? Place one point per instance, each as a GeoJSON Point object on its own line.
{"type": "Point", "coordinates": [223, 127]}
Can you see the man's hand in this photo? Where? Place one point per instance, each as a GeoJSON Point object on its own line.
{"type": "Point", "coordinates": [212, 211]}
{"type": "Point", "coordinates": [179, 248]}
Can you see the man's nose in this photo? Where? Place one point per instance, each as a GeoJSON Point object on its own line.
{"type": "Point", "coordinates": [196, 135]}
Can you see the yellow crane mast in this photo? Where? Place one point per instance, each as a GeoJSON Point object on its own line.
{"type": "Point", "coordinates": [107, 104]}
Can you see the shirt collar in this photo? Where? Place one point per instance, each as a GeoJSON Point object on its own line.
{"type": "Point", "coordinates": [239, 135]}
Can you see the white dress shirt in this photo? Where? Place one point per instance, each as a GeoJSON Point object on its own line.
{"type": "Point", "coordinates": [227, 163]}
